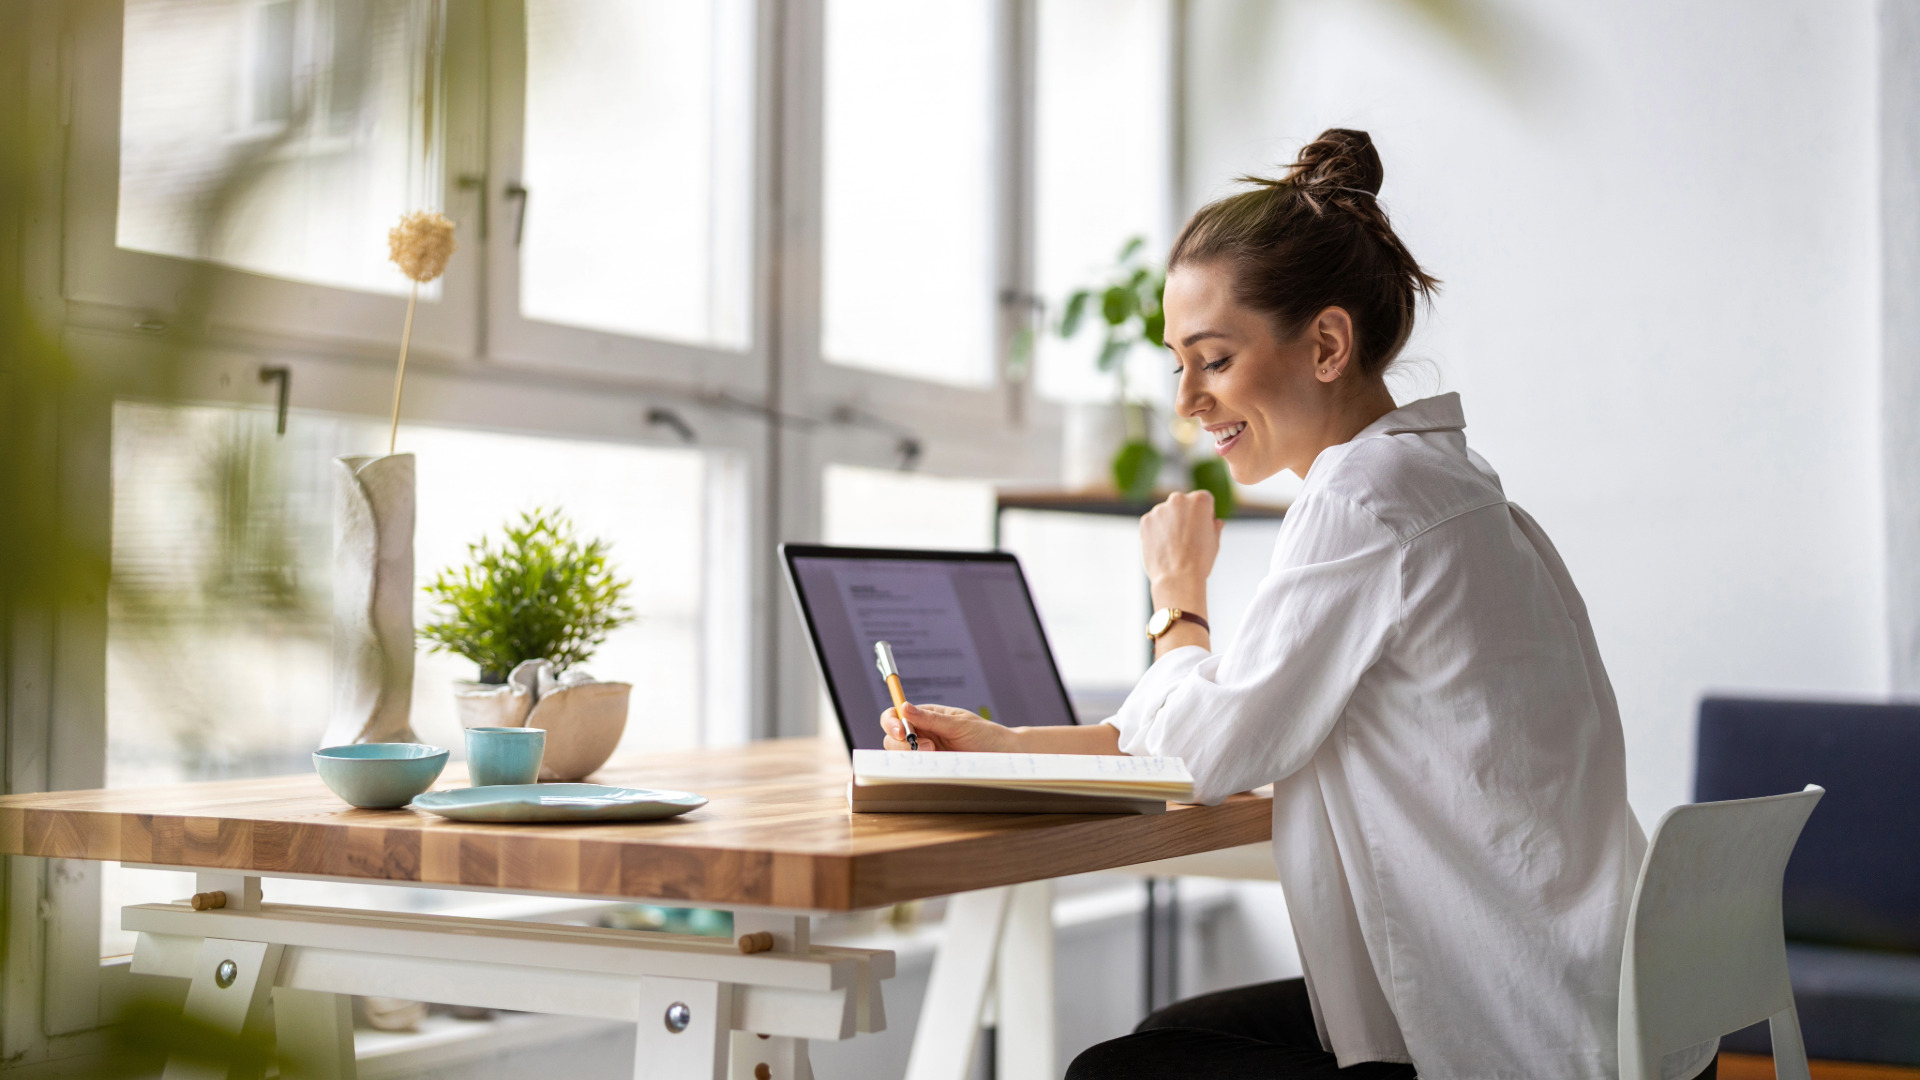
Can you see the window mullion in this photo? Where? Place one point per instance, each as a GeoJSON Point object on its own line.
{"type": "Point", "coordinates": [1016, 82]}
{"type": "Point", "coordinates": [795, 370]}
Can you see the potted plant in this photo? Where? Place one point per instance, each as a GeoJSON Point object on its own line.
{"type": "Point", "coordinates": [529, 611]}
{"type": "Point", "coordinates": [1129, 314]}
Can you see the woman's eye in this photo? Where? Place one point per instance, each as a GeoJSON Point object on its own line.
{"type": "Point", "coordinates": [1209, 365]}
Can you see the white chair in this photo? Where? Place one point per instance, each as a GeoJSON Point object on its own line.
{"type": "Point", "coordinates": [1705, 954]}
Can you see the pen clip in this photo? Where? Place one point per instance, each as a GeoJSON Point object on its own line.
{"type": "Point", "coordinates": [883, 659]}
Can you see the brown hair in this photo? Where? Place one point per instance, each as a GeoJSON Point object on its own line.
{"type": "Point", "coordinates": [1313, 239]}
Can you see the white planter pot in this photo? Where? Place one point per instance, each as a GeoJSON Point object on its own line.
{"type": "Point", "coordinates": [1092, 434]}
{"type": "Point", "coordinates": [372, 600]}
{"type": "Point", "coordinates": [583, 718]}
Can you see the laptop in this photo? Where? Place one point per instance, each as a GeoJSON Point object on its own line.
{"type": "Point", "coordinates": [962, 625]}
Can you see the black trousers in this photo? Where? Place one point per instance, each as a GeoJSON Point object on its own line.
{"type": "Point", "coordinates": [1262, 1032]}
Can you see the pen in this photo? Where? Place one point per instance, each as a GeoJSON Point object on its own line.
{"type": "Point", "coordinates": [883, 659]}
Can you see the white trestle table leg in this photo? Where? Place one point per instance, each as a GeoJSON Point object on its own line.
{"type": "Point", "coordinates": [683, 1029]}
{"type": "Point", "coordinates": [313, 1034]}
{"type": "Point", "coordinates": [231, 984]}
{"type": "Point", "coordinates": [762, 1057]}
{"type": "Point", "coordinates": [1023, 986]}
{"type": "Point", "coordinates": [230, 987]}
{"type": "Point", "coordinates": [949, 1027]}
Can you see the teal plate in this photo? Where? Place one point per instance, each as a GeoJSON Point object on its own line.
{"type": "Point", "coordinates": [557, 802]}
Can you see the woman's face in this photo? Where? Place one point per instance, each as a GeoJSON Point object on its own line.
{"type": "Point", "coordinates": [1269, 404]}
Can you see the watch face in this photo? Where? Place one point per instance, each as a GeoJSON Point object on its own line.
{"type": "Point", "coordinates": [1160, 621]}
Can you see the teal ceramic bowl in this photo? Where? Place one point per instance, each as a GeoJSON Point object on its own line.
{"type": "Point", "coordinates": [379, 776]}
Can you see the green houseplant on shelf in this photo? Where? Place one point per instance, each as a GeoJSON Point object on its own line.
{"type": "Point", "coordinates": [1127, 309]}
{"type": "Point", "coordinates": [529, 610]}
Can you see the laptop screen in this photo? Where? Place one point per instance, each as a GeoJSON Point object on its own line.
{"type": "Point", "coordinates": [962, 625]}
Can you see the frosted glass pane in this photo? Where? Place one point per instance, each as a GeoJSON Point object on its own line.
{"type": "Point", "coordinates": [1088, 585]}
{"type": "Point", "coordinates": [320, 100]}
{"type": "Point", "coordinates": [638, 157]}
{"type": "Point", "coordinates": [1101, 169]}
{"type": "Point", "coordinates": [909, 217]}
{"type": "Point", "coordinates": [888, 508]}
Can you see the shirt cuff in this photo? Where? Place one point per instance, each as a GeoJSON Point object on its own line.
{"type": "Point", "coordinates": [1135, 719]}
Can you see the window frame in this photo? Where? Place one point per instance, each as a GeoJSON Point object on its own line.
{"type": "Point", "coordinates": [108, 287]}
{"type": "Point", "coordinates": [516, 340]}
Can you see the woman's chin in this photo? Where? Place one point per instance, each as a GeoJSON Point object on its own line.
{"type": "Point", "coordinates": [1244, 471]}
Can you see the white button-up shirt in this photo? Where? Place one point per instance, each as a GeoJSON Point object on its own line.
{"type": "Point", "coordinates": [1417, 678]}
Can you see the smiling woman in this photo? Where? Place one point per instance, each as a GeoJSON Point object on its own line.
{"type": "Point", "coordinates": [1415, 676]}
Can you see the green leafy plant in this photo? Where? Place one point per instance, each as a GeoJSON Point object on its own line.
{"type": "Point", "coordinates": [1130, 314]}
{"type": "Point", "coordinates": [541, 593]}
{"type": "Point", "coordinates": [1128, 306]}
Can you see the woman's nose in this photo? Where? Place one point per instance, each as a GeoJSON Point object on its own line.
{"type": "Point", "coordinates": [1188, 399]}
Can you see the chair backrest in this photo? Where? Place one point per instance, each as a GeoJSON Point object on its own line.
{"type": "Point", "coordinates": [1704, 952]}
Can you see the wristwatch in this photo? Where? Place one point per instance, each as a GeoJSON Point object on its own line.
{"type": "Point", "coordinates": [1164, 619]}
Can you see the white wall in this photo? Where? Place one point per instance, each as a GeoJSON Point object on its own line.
{"type": "Point", "coordinates": [1900, 348]}
{"type": "Point", "coordinates": [1661, 305]}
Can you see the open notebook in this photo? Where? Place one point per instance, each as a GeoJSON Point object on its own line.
{"type": "Point", "coordinates": [900, 781]}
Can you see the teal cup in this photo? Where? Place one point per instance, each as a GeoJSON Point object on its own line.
{"type": "Point", "coordinates": [504, 755]}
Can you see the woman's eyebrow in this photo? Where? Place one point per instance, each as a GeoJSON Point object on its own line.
{"type": "Point", "coordinates": [1199, 336]}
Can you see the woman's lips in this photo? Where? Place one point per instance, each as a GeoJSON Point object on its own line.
{"type": "Point", "coordinates": [1225, 437]}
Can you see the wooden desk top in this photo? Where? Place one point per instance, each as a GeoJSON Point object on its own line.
{"type": "Point", "coordinates": [776, 833]}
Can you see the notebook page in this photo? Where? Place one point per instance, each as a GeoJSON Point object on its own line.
{"type": "Point", "coordinates": [1090, 774]}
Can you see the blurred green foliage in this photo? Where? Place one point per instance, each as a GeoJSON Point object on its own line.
{"type": "Point", "coordinates": [1136, 468]}
{"type": "Point", "coordinates": [540, 593]}
{"type": "Point", "coordinates": [1210, 474]}
{"type": "Point", "coordinates": [1128, 306]}
{"type": "Point", "coordinates": [37, 564]}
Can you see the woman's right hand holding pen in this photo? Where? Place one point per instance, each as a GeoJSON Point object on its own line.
{"type": "Point", "coordinates": [942, 727]}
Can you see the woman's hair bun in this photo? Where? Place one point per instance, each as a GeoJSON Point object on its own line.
{"type": "Point", "coordinates": [1339, 158]}
{"type": "Point", "coordinates": [1315, 238]}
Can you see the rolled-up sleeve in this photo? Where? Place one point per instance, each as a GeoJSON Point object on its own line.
{"type": "Point", "coordinates": [1256, 712]}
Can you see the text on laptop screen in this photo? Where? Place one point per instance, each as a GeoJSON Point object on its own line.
{"type": "Point", "coordinates": [963, 632]}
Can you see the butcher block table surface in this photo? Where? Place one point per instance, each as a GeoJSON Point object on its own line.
{"type": "Point", "coordinates": [775, 833]}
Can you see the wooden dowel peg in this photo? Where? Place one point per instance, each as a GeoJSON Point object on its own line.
{"type": "Point", "coordinates": [761, 941]}
{"type": "Point", "coordinates": [207, 901]}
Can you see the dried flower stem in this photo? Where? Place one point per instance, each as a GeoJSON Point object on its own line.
{"type": "Point", "coordinates": [420, 246]}
{"type": "Point", "coordinates": [400, 376]}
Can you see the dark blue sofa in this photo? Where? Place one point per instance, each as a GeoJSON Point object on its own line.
{"type": "Point", "coordinates": [1852, 893]}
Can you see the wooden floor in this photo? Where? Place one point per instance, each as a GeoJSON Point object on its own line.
{"type": "Point", "coordinates": [1760, 1067]}
{"type": "Point", "coordinates": [775, 833]}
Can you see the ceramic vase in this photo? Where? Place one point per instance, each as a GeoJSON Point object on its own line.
{"type": "Point", "coordinates": [372, 600]}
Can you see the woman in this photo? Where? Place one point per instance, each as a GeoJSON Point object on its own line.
{"type": "Point", "coordinates": [1416, 677]}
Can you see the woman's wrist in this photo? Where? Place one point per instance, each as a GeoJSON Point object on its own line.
{"type": "Point", "coordinates": [1067, 739]}
{"type": "Point", "coordinates": [1183, 593]}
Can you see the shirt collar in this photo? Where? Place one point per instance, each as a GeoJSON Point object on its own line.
{"type": "Point", "coordinates": [1439, 413]}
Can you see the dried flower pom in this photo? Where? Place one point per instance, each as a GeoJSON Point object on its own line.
{"type": "Point", "coordinates": [421, 245]}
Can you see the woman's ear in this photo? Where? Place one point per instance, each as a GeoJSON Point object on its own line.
{"type": "Point", "coordinates": [1331, 334]}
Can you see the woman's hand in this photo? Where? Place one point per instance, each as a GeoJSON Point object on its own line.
{"type": "Point", "coordinates": [942, 727]}
{"type": "Point", "coordinates": [1179, 540]}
